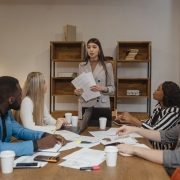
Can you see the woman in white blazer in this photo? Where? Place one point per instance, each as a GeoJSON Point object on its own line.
{"type": "Point", "coordinates": [102, 73]}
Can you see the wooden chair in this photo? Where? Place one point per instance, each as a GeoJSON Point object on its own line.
{"type": "Point", "coordinates": [176, 174]}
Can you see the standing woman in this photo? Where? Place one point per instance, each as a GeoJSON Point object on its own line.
{"type": "Point", "coordinates": [33, 111]}
{"type": "Point", "coordinates": [102, 73]}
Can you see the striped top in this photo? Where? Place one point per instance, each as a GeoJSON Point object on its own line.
{"type": "Point", "coordinates": [163, 119]}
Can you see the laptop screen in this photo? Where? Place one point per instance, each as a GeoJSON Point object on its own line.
{"type": "Point", "coordinates": [98, 112]}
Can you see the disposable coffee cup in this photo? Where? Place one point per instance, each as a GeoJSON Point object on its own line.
{"type": "Point", "coordinates": [7, 160]}
{"type": "Point", "coordinates": [102, 122]}
{"type": "Point", "coordinates": [74, 120]}
{"type": "Point", "coordinates": [111, 155]}
{"type": "Point", "coordinates": [68, 117]}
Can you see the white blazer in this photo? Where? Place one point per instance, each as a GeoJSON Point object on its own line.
{"type": "Point", "coordinates": [100, 78]}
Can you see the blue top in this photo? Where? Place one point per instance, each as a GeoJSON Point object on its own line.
{"type": "Point", "coordinates": [25, 147]}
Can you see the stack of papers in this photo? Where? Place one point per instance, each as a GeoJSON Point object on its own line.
{"type": "Point", "coordinates": [83, 158]}
{"type": "Point", "coordinates": [85, 81]}
{"type": "Point", "coordinates": [55, 149]}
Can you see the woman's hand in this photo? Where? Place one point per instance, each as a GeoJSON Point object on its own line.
{"type": "Point", "coordinates": [78, 92]}
{"type": "Point", "coordinates": [124, 130]}
{"type": "Point", "coordinates": [98, 87]}
{"type": "Point", "coordinates": [125, 116]}
{"type": "Point", "coordinates": [126, 149]}
{"type": "Point", "coordinates": [60, 122]}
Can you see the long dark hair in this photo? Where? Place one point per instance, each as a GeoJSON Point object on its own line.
{"type": "Point", "coordinates": [101, 57]}
{"type": "Point", "coordinates": [171, 93]}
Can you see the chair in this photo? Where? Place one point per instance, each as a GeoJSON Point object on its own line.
{"type": "Point", "coordinates": [176, 174]}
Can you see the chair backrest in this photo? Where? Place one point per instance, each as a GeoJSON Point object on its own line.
{"type": "Point", "coordinates": [176, 174]}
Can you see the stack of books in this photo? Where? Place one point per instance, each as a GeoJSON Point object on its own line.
{"type": "Point", "coordinates": [132, 54]}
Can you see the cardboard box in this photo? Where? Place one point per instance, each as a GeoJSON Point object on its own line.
{"type": "Point", "coordinates": [70, 33]}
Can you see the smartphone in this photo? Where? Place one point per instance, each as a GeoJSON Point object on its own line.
{"type": "Point", "coordinates": [52, 159]}
{"type": "Point", "coordinates": [27, 165]}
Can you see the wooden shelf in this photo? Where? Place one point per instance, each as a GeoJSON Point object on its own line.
{"type": "Point", "coordinates": [143, 55]}
{"type": "Point", "coordinates": [67, 51]}
{"type": "Point", "coordinates": [133, 84]}
{"type": "Point", "coordinates": [62, 86]}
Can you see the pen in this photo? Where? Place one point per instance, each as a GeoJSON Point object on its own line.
{"type": "Point", "coordinates": [91, 168]}
{"type": "Point", "coordinates": [85, 142]}
{"type": "Point", "coordinates": [113, 144]}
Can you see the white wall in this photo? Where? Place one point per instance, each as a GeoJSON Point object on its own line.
{"type": "Point", "coordinates": [27, 27]}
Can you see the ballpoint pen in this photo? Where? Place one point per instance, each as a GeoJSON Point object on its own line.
{"type": "Point", "coordinates": [85, 142]}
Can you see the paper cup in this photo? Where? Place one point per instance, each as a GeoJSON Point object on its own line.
{"type": "Point", "coordinates": [74, 120]}
{"type": "Point", "coordinates": [102, 122]}
{"type": "Point", "coordinates": [68, 117]}
{"type": "Point", "coordinates": [111, 155]}
{"type": "Point", "coordinates": [7, 160]}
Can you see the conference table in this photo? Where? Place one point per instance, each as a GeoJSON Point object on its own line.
{"type": "Point", "coordinates": [128, 168]}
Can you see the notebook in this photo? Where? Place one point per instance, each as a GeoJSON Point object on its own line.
{"type": "Point", "coordinates": [96, 113]}
{"type": "Point", "coordinates": [82, 124]}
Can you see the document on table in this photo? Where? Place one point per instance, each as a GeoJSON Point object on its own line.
{"type": "Point", "coordinates": [81, 141]}
{"type": "Point", "coordinates": [55, 149]}
{"type": "Point", "coordinates": [85, 81]}
{"type": "Point", "coordinates": [113, 131]}
{"type": "Point", "coordinates": [111, 135]}
{"type": "Point", "coordinates": [69, 136]}
{"type": "Point", "coordinates": [83, 158]}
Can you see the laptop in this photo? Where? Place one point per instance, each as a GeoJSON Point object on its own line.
{"type": "Point", "coordinates": [83, 124]}
{"type": "Point", "coordinates": [96, 113]}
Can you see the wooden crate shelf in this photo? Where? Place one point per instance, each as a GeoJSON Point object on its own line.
{"type": "Point", "coordinates": [67, 51]}
{"type": "Point", "coordinates": [133, 84]}
{"type": "Point", "coordinates": [143, 55]}
{"type": "Point", "coordinates": [62, 86]}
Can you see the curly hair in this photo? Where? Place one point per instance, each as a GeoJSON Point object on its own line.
{"type": "Point", "coordinates": [8, 86]}
{"type": "Point", "coordinates": [171, 93]}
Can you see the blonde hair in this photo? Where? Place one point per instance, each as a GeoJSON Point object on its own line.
{"type": "Point", "coordinates": [34, 88]}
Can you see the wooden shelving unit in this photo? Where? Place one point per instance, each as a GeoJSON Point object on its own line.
{"type": "Point", "coordinates": [132, 54]}
{"type": "Point", "coordinates": [69, 53]}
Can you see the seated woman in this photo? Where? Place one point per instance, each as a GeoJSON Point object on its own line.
{"type": "Point", "coordinates": [33, 111]}
{"type": "Point", "coordinates": [165, 115]}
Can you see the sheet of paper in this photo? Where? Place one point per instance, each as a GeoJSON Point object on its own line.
{"type": "Point", "coordinates": [68, 146]}
{"type": "Point", "coordinates": [55, 149]}
{"type": "Point", "coordinates": [87, 138]}
{"type": "Point", "coordinates": [113, 131]}
{"type": "Point", "coordinates": [137, 145]}
{"type": "Point", "coordinates": [69, 136]}
{"type": "Point", "coordinates": [83, 158]}
{"type": "Point", "coordinates": [85, 81]}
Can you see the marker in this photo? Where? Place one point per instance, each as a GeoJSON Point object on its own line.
{"type": "Point", "coordinates": [85, 142]}
{"type": "Point", "coordinates": [93, 168]}
{"type": "Point", "coordinates": [113, 144]}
